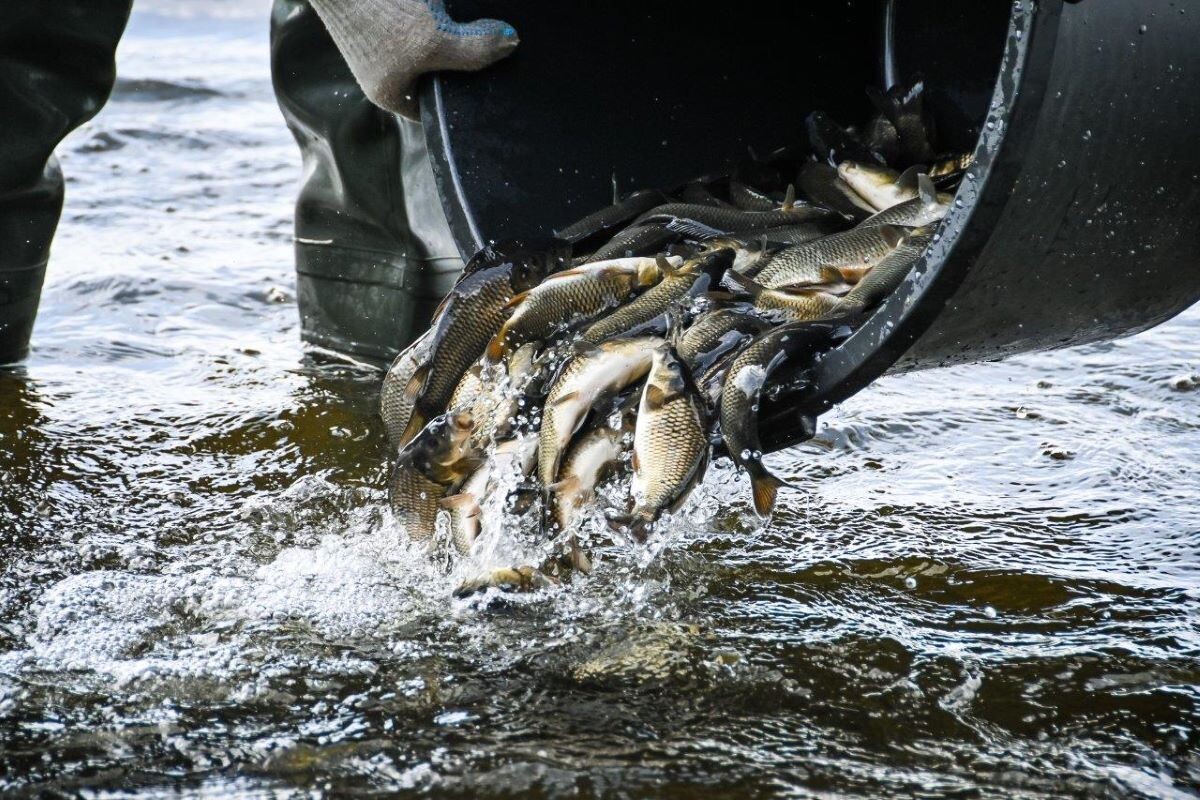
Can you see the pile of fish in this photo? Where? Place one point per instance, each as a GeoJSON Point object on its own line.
{"type": "Point", "coordinates": [644, 336]}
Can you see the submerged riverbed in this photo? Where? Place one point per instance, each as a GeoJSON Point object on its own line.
{"type": "Point", "coordinates": [985, 581]}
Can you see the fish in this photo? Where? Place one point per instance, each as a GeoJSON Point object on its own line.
{"type": "Point", "coordinates": [885, 277]}
{"type": "Point", "coordinates": [928, 207]}
{"type": "Point", "coordinates": [947, 171]}
{"type": "Point", "coordinates": [610, 219]}
{"type": "Point", "coordinates": [469, 317]}
{"type": "Point", "coordinates": [691, 279]}
{"type": "Point", "coordinates": [880, 137]}
{"type": "Point", "coordinates": [799, 234]}
{"type": "Point", "coordinates": [591, 458]}
{"type": "Point", "coordinates": [670, 440]}
{"type": "Point", "coordinates": [742, 393]}
{"type": "Point", "coordinates": [880, 186]}
{"type": "Point", "coordinates": [748, 253]}
{"type": "Point", "coordinates": [506, 579]}
{"type": "Point", "coordinates": [735, 220]}
{"type": "Point", "coordinates": [715, 333]}
{"type": "Point", "coordinates": [592, 375]}
{"type": "Point", "coordinates": [395, 405]}
{"type": "Point", "coordinates": [748, 198]}
{"type": "Point", "coordinates": [905, 109]}
{"type": "Point", "coordinates": [429, 467]}
{"type": "Point", "coordinates": [820, 183]}
{"type": "Point", "coordinates": [643, 240]}
{"type": "Point", "coordinates": [795, 303]}
{"type": "Point", "coordinates": [494, 400]}
{"type": "Point", "coordinates": [852, 253]}
{"type": "Point", "coordinates": [573, 297]}
{"type": "Point", "coordinates": [514, 458]}
{"type": "Point", "coordinates": [834, 144]}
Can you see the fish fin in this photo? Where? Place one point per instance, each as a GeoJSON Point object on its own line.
{"type": "Point", "coordinates": [579, 559]}
{"type": "Point", "coordinates": [635, 462]}
{"type": "Point", "coordinates": [893, 234]}
{"type": "Point", "coordinates": [665, 267]}
{"type": "Point", "coordinates": [519, 298]}
{"type": "Point", "coordinates": [743, 285]}
{"type": "Point", "coordinates": [463, 500]}
{"type": "Point", "coordinates": [789, 199]}
{"type": "Point", "coordinates": [616, 192]}
{"type": "Point", "coordinates": [766, 489]}
{"type": "Point", "coordinates": [416, 384]}
{"type": "Point", "coordinates": [462, 420]}
{"type": "Point", "coordinates": [910, 178]}
{"type": "Point", "coordinates": [636, 524]}
{"type": "Point", "coordinates": [437, 312]}
{"type": "Point", "coordinates": [566, 485]}
{"type": "Point", "coordinates": [831, 275]}
{"type": "Point", "coordinates": [416, 424]}
{"type": "Point", "coordinates": [566, 398]}
{"type": "Point", "coordinates": [676, 325]}
{"type": "Point", "coordinates": [750, 150]}
{"type": "Point", "coordinates": [926, 190]}
{"type": "Point", "coordinates": [497, 347]}
{"type": "Point", "coordinates": [691, 229]}
{"type": "Point", "coordinates": [655, 398]}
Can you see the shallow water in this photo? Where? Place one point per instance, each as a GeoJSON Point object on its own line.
{"type": "Point", "coordinates": [986, 580]}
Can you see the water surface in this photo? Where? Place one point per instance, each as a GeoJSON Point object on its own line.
{"type": "Point", "coordinates": [985, 581]}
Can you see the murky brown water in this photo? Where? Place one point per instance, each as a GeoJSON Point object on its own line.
{"type": "Point", "coordinates": [985, 583]}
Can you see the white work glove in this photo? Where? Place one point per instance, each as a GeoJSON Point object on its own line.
{"type": "Point", "coordinates": [390, 43]}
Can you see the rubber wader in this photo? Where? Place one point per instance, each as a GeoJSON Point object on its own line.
{"type": "Point", "coordinates": [374, 255]}
{"type": "Point", "coordinates": [56, 72]}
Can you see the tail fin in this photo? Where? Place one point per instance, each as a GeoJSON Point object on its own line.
{"type": "Point", "coordinates": [740, 283]}
{"type": "Point", "coordinates": [497, 347]}
{"type": "Point", "coordinates": [926, 190]}
{"type": "Point", "coordinates": [766, 489]}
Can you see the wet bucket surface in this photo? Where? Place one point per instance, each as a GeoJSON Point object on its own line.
{"type": "Point", "coordinates": [985, 579]}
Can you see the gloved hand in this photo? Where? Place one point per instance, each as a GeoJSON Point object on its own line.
{"type": "Point", "coordinates": [390, 43]}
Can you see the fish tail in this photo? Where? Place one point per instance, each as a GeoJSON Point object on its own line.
{"type": "Point", "coordinates": [766, 489]}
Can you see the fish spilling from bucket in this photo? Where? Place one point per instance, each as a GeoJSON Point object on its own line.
{"type": "Point", "coordinates": [610, 365]}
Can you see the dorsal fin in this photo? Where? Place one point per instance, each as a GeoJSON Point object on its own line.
{"type": "Point", "coordinates": [893, 234]}
{"type": "Point", "coordinates": [909, 179]}
{"type": "Point", "coordinates": [789, 197]}
{"type": "Point", "coordinates": [743, 285]}
{"type": "Point", "coordinates": [665, 267]}
{"type": "Point", "coordinates": [516, 300]}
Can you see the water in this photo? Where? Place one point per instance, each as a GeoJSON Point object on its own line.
{"type": "Point", "coordinates": [985, 581]}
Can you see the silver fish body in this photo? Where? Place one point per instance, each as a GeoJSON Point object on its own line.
{"type": "Point", "coordinates": [588, 378]}
{"type": "Point", "coordinates": [670, 443]}
{"type": "Point", "coordinates": [852, 253]}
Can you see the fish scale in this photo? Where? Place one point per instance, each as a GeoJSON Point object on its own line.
{"type": "Point", "coordinates": [395, 405]}
{"type": "Point", "coordinates": [855, 249]}
{"type": "Point", "coordinates": [670, 441]}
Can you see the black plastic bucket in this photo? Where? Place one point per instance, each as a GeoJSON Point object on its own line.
{"type": "Point", "coordinates": [1080, 220]}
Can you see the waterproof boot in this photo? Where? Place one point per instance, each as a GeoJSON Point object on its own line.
{"type": "Point", "coordinates": [56, 72]}
{"type": "Point", "coordinates": [374, 255]}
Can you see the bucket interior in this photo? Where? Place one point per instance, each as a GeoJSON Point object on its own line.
{"type": "Point", "coordinates": [652, 95]}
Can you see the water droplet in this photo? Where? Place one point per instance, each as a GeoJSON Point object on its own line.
{"type": "Point", "coordinates": [989, 612]}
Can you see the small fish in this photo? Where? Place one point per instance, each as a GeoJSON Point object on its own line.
{"type": "Point", "coordinates": [592, 457]}
{"type": "Point", "coordinates": [928, 207]}
{"type": "Point", "coordinates": [880, 186]}
{"type": "Point", "coordinates": [431, 465]}
{"type": "Point", "coordinates": [821, 185]}
{"type": "Point", "coordinates": [395, 406]}
{"type": "Point", "coordinates": [670, 442]}
{"type": "Point", "coordinates": [572, 297]}
{"type": "Point", "coordinates": [512, 459]}
{"type": "Point", "coordinates": [852, 253]}
{"type": "Point", "coordinates": [948, 170]}
{"type": "Point", "coordinates": [735, 220]}
{"type": "Point", "coordinates": [795, 303]}
{"type": "Point", "coordinates": [592, 375]}
{"type": "Point", "coordinates": [690, 279]}
{"type": "Point", "coordinates": [905, 109]}
{"type": "Point", "coordinates": [748, 253]}
{"type": "Point", "coordinates": [885, 276]}
{"type": "Point", "coordinates": [742, 394]}
{"type": "Point", "coordinates": [610, 219]}
{"type": "Point", "coordinates": [643, 240]}
{"type": "Point", "coordinates": [470, 316]}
